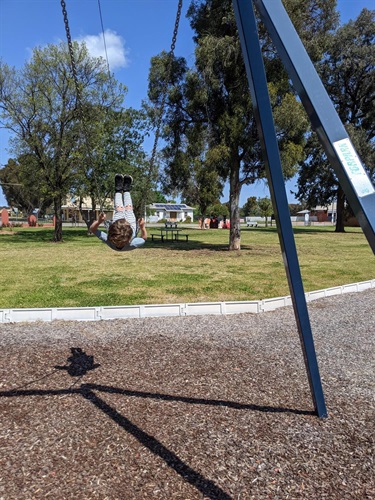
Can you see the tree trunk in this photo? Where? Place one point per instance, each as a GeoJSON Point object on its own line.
{"type": "Point", "coordinates": [93, 211]}
{"type": "Point", "coordinates": [340, 211]}
{"type": "Point", "coordinates": [234, 199]}
{"type": "Point", "coordinates": [57, 203]}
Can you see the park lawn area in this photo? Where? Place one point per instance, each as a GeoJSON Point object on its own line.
{"type": "Point", "coordinates": [82, 271]}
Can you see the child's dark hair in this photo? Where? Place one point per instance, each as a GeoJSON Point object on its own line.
{"type": "Point", "coordinates": [120, 233]}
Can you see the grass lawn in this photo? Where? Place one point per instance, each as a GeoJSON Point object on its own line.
{"type": "Point", "coordinates": [82, 271]}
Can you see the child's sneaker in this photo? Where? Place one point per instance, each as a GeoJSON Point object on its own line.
{"type": "Point", "coordinates": [128, 179]}
{"type": "Point", "coordinates": [119, 183]}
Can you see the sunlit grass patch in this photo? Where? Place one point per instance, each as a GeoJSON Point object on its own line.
{"type": "Point", "coordinates": [82, 271]}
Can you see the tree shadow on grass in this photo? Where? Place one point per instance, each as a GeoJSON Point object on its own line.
{"type": "Point", "coordinates": [301, 230]}
{"type": "Point", "coordinates": [191, 245]}
{"type": "Point", "coordinates": [79, 363]}
{"type": "Point", "coordinates": [45, 235]}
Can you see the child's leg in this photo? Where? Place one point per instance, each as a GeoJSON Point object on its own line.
{"type": "Point", "coordinates": [129, 214]}
{"type": "Point", "coordinates": [119, 207]}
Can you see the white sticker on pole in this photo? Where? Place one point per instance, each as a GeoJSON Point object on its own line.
{"type": "Point", "coordinates": [353, 167]}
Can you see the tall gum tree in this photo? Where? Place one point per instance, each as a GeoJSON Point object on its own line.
{"type": "Point", "coordinates": [347, 71]}
{"type": "Point", "coordinates": [213, 97]}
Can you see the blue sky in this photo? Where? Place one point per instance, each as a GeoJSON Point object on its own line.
{"type": "Point", "coordinates": [135, 30]}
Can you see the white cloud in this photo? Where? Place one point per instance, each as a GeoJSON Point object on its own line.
{"type": "Point", "coordinates": [116, 51]}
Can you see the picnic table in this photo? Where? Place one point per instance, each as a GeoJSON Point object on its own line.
{"type": "Point", "coordinates": [169, 234]}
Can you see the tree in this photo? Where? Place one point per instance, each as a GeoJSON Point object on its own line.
{"type": "Point", "coordinates": [118, 148]}
{"type": "Point", "coordinates": [218, 210]}
{"type": "Point", "coordinates": [265, 208]}
{"type": "Point", "coordinates": [347, 71]}
{"type": "Point", "coordinates": [250, 207]}
{"type": "Point", "coordinates": [38, 105]}
{"type": "Point", "coordinates": [294, 208]}
{"type": "Point", "coordinates": [212, 101]}
{"type": "Point", "coordinates": [20, 189]}
{"type": "Point", "coordinates": [189, 169]}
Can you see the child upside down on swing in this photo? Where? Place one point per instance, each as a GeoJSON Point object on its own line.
{"type": "Point", "coordinates": [122, 232]}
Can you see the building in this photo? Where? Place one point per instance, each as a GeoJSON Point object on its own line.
{"type": "Point", "coordinates": [170, 211]}
{"type": "Point", "coordinates": [325, 214]}
{"type": "Point", "coordinates": [316, 214]}
{"type": "Point", "coordinates": [71, 211]}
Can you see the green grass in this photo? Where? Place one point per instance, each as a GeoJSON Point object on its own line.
{"type": "Point", "coordinates": [82, 271]}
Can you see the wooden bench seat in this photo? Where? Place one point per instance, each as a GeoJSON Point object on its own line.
{"type": "Point", "coordinates": [153, 236]}
{"type": "Point", "coordinates": [178, 236]}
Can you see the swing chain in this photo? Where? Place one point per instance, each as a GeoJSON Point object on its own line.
{"type": "Point", "coordinates": [165, 85]}
{"type": "Point", "coordinates": [164, 88]}
{"type": "Point", "coordinates": [146, 193]}
{"type": "Point", "coordinates": [71, 53]}
{"type": "Point", "coordinates": [79, 107]}
{"type": "Point", "coordinates": [176, 25]}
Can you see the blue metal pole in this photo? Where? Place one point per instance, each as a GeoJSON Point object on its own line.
{"type": "Point", "coordinates": [262, 108]}
{"type": "Point", "coordinates": [331, 132]}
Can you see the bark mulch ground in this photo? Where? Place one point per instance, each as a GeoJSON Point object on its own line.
{"type": "Point", "coordinates": [213, 407]}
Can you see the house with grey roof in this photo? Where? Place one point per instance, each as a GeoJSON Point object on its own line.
{"type": "Point", "coordinates": [172, 212]}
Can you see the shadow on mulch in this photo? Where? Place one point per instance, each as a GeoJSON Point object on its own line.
{"type": "Point", "coordinates": [79, 364]}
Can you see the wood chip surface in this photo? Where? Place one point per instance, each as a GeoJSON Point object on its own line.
{"type": "Point", "coordinates": [199, 407]}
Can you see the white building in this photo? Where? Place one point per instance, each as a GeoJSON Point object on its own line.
{"type": "Point", "coordinates": [170, 211]}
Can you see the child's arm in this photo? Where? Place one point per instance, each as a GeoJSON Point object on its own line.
{"type": "Point", "coordinates": [142, 226]}
{"type": "Point", "coordinates": [95, 225]}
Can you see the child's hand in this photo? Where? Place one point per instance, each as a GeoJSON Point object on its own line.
{"type": "Point", "coordinates": [141, 223]}
{"type": "Point", "coordinates": [102, 217]}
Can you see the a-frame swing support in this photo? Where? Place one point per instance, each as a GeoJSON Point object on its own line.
{"type": "Point", "coordinates": [333, 136]}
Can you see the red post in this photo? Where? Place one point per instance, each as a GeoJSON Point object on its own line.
{"type": "Point", "coordinates": [4, 217]}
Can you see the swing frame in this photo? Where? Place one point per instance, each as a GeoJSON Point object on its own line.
{"type": "Point", "coordinates": [331, 132]}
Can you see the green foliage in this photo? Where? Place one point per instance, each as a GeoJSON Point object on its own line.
{"type": "Point", "coordinates": [347, 71]}
{"type": "Point", "coordinates": [314, 21]}
{"type": "Point", "coordinates": [218, 209]}
{"type": "Point", "coordinates": [294, 208]}
{"type": "Point", "coordinates": [24, 185]}
{"type": "Point", "coordinates": [210, 125]}
{"type": "Point", "coordinates": [250, 207]}
{"type": "Point", "coordinates": [265, 208]}
{"type": "Point", "coordinates": [61, 151]}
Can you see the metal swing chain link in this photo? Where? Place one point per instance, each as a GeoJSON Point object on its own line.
{"type": "Point", "coordinates": [71, 53]}
{"type": "Point", "coordinates": [79, 106]}
{"type": "Point", "coordinates": [164, 89]}
{"type": "Point", "coordinates": [165, 86]}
